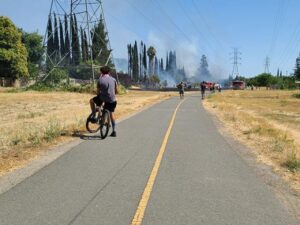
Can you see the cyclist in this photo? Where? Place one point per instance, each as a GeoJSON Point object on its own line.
{"type": "Point", "coordinates": [180, 87]}
{"type": "Point", "coordinates": [202, 87]}
{"type": "Point", "coordinates": [106, 93]}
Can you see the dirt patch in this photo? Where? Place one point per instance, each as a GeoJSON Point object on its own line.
{"type": "Point", "coordinates": [32, 122]}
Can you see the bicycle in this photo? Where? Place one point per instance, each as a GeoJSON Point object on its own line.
{"type": "Point", "coordinates": [99, 121]}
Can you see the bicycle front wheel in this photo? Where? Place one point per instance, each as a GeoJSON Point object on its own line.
{"type": "Point", "coordinates": [104, 125]}
{"type": "Point", "coordinates": [91, 124]}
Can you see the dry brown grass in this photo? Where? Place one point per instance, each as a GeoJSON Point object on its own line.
{"type": "Point", "coordinates": [31, 122]}
{"type": "Point", "coordinates": [266, 121]}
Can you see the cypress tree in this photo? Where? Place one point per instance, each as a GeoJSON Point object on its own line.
{"type": "Point", "coordinates": [83, 46]}
{"type": "Point", "coordinates": [86, 46]}
{"type": "Point", "coordinates": [75, 42]}
{"type": "Point", "coordinates": [129, 49]}
{"type": "Point", "coordinates": [135, 65]}
{"type": "Point", "coordinates": [161, 65]}
{"type": "Point", "coordinates": [167, 62]}
{"type": "Point", "coordinates": [156, 68]}
{"type": "Point", "coordinates": [145, 59]}
{"type": "Point", "coordinates": [61, 37]}
{"type": "Point", "coordinates": [67, 42]}
{"type": "Point", "coordinates": [56, 40]}
{"type": "Point", "coordinates": [50, 47]}
{"type": "Point", "coordinates": [141, 61]}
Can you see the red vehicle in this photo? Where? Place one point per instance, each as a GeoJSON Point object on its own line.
{"type": "Point", "coordinates": [209, 85]}
{"type": "Point", "coordinates": [238, 85]}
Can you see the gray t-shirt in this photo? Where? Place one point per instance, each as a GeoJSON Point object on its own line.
{"type": "Point", "coordinates": [107, 85]}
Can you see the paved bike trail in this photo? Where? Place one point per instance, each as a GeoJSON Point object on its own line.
{"type": "Point", "coordinates": [201, 179]}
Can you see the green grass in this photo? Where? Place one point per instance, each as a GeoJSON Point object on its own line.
{"type": "Point", "coordinates": [296, 95]}
{"type": "Point", "coordinates": [292, 163]}
{"type": "Point", "coordinates": [29, 115]}
{"type": "Point", "coordinates": [53, 130]}
{"type": "Point", "coordinates": [16, 140]}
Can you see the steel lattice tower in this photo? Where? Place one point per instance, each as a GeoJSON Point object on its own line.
{"type": "Point", "coordinates": [88, 14]}
{"type": "Point", "coordinates": [267, 65]}
{"type": "Point", "coordinates": [236, 57]}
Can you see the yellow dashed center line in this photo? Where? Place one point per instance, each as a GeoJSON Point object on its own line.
{"type": "Point", "coordinates": [139, 214]}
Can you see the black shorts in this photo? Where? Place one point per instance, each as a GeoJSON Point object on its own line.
{"type": "Point", "coordinates": [110, 106]}
{"type": "Point", "coordinates": [181, 92]}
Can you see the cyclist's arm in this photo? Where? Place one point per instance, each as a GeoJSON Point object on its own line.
{"type": "Point", "coordinates": [98, 88]}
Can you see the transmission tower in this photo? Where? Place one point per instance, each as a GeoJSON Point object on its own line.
{"type": "Point", "coordinates": [88, 14]}
{"type": "Point", "coordinates": [267, 65]}
{"type": "Point", "coordinates": [236, 57]}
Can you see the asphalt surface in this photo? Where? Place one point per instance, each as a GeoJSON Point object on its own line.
{"type": "Point", "coordinates": [201, 180]}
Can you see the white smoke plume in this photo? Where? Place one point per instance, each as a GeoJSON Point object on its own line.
{"type": "Point", "coordinates": [187, 53]}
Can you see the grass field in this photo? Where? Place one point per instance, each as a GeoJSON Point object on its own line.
{"type": "Point", "coordinates": [268, 122]}
{"type": "Point", "coordinates": [31, 122]}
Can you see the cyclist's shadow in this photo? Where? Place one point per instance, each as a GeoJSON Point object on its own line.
{"type": "Point", "coordinates": [87, 137]}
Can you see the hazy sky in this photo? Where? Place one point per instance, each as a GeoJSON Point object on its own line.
{"type": "Point", "coordinates": [192, 28]}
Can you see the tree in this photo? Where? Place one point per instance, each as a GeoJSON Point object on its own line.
{"type": "Point", "coordinates": [156, 67]}
{"type": "Point", "coordinates": [129, 49]}
{"type": "Point", "coordinates": [151, 52]}
{"type": "Point", "coordinates": [75, 41]}
{"type": "Point", "coordinates": [264, 79]}
{"type": "Point", "coordinates": [56, 41]}
{"type": "Point", "coordinates": [297, 74]}
{"type": "Point", "coordinates": [50, 44]}
{"type": "Point", "coordinates": [34, 46]}
{"type": "Point", "coordinates": [100, 45]}
{"type": "Point", "coordinates": [154, 80]}
{"type": "Point", "coordinates": [83, 45]}
{"type": "Point", "coordinates": [61, 39]}
{"type": "Point", "coordinates": [135, 63]}
{"type": "Point", "coordinates": [203, 71]}
{"type": "Point", "coordinates": [161, 68]}
{"type": "Point", "coordinates": [13, 53]}
{"type": "Point", "coordinates": [67, 42]}
{"type": "Point", "coordinates": [145, 59]}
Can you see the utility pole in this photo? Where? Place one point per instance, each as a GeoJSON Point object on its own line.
{"type": "Point", "coordinates": [267, 65]}
{"type": "Point", "coordinates": [236, 58]}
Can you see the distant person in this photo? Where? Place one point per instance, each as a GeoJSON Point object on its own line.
{"type": "Point", "coordinates": [106, 94]}
{"type": "Point", "coordinates": [220, 88]}
{"type": "Point", "coordinates": [202, 88]}
{"type": "Point", "coordinates": [180, 87]}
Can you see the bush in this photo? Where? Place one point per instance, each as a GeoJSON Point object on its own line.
{"type": "Point", "coordinates": [296, 95]}
{"type": "Point", "coordinates": [292, 163]}
{"type": "Point", "coordinates": [121, 89]}
{"type": "Point", "coordinates": [57, 76]}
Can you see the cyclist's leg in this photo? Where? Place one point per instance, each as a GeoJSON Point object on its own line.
{"type": "Point", "coordinates": [111, 108]}
{"type": "Point", "coordinates": [92, 105]}
{"type": "Point", "coordinates": [95, 101]}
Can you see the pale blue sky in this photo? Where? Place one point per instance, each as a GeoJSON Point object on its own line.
{"type": "Point", "coordinates": [192, 28]}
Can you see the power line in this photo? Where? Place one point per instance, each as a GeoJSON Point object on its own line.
{"type": "Point", "coordinates": [170, 19]}
{"type": "Point", "coordinates": [193, 24]}
{"type": "Point", "coordinates": [206, 24]}
{"type": "Point", "coordinates": [279, 17]}
{"type": "Point", "coordinates": [154, 24]}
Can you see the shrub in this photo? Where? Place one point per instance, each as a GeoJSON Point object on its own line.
{"type": "Point", "coordinates": [53, 130]}
{"type": "Point", "coordinates": [296, 95]}
{"type": "Point", "coordinates": [292, 163]}
{"type": "Point", "coordinates": [57, 76]}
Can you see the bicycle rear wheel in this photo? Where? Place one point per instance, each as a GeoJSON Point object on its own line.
{"type": "Point", "coordinates": [104, 124]}
{"type": "Point", "coordinates": [92, 125]}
